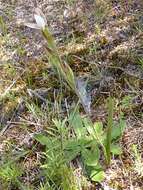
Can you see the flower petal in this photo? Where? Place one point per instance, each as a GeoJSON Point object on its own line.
{"type": "Point", "coordinates": [40, 21]}
{"type": "Point", "coordinates": [31, 25]}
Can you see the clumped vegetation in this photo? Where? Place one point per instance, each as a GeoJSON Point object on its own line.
{"type": "Point", "coordinates": [71, 78]}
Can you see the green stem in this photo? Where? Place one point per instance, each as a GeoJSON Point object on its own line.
{"type": "Point", "coordinates": [109, 130]}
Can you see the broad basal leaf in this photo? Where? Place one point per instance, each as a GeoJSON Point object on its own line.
{"type": "Point", "coordinates": [91, 157]}
{"type": "Point", "coordinates": [89, 127]}
{"type": "Point", "coordinates": [77, 124]}
{"type": "Point", "coordinates": [71, 144]}
{"type": "Point", "coordinates": [116, 149]}
{"type": "Point", "coordinates": [72, 149]}
{"type": "Point", "coordinates": [118, 130]}
{"type": "Point", "coordinates": [71, 154]}
{"type": "Point", "coordinates": [98, 126]}
{"type": "Point", "coordinates": [50, 143]}
{"type": "Point", "coordinates": [97, 176]}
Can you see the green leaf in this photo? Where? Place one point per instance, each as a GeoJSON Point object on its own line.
{"type": "Point", "coordinates": [88, 126]}
{"type": "Point", "coordinates": [71, 144]}
{"type": "Point", "coordinates": [50, 143]}
{"type": "Point", "coordinates": [42, 139]}
{"type": "Point", "coordinates": [72, 149]}
{"type": "Point", "coordinates": [98, 126]}
{"type": "Point", "coordinates": [97, 176]}
{"type": "Point", "coordinates": [118, 130]}
{"type": "Point", "coordinates": [116, 149]}
{"type": "Point", "coordinates": [86, 142]}
{"type": "Point", "coordinates": [76, 122]}
{"type": "Point", "coordinates": [91, 157]}
{"type": "Point", "coordinates": [69, 75]}
{"type": "Point", "coordinates": [71, 154]}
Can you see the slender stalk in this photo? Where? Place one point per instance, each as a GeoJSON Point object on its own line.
{"type": "Point", "coordinates": [66, 72]}
{"type": "Point", "coordinates": [109, 130]}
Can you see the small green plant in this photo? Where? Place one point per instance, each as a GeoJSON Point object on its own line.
{"type": "Point", "coordinates": [92, 137]}
{"type": "Point", "coordinates": [61, 150]}
{"type": "Point", "coordinates": [58, 175]}
{"type": "Point", "coordinates": [9, 174]}
{"type": "Point", "coordinates": [11, 170]}
{"type": "Point", "coordinates": [88, 140]}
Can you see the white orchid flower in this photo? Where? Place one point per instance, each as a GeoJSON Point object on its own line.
{"type": "Point", "coordinates": [40, 20]}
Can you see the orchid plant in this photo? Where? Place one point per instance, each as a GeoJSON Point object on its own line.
{"type": "Point", "coordinates": [62, 68]}
{"type": "Point", "coordinates": [97, 137]}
